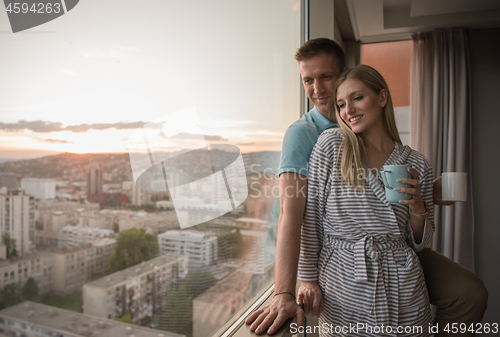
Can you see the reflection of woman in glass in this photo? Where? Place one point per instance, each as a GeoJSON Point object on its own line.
{"type": "Point", "coordinates": [357, 246]}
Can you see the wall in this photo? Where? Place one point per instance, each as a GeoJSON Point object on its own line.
{"type": "Point", "coordinates": [484, 51]}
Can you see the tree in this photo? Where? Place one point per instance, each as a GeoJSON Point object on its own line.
{"type": "Point", "coordinates": [125, 319]}
{"type": "Point", "coordinates": [229, 244]}
{"type": "Point", "coordinates": [10, 245]}
{"type": "Point", "coordinates": [133, 246]}
{"type": "Point", "coordinates": [30, 290]}
{"type": "Point", "coordinates": [9, 296]}
{"type": "Point", "coordinates": [178, 314]}
{"type": "Point", "coordinates": [198, 281]}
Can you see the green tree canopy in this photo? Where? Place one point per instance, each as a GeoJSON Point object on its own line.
{"type": "Point", "coordinates": [125, 319]}
{"type": "Point", "coordinates": [30, 290]}
{"type": "Point", "coordinates": [198, 281]}
{"type": "Point", "coordinates": [10, 245]}
{"type": "Point", "coordinates": [132, 247]}
{"type": "Point", "coordinates": [230, 244]}
{"type": "Point", "coordinates": [10, 295]}
{"type": "Point", "coordinates": [178, 314]}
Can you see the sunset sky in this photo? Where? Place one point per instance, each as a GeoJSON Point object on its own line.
{"type": "Point", "coordinates": [85, 81]}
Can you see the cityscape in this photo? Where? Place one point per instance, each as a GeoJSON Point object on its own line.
{"type": "Point", "coordinates": [85, 252]}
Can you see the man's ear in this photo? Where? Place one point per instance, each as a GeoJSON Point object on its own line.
{"type": "Point", "coordinates": [383, 98]}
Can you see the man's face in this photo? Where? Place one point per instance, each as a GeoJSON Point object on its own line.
{"type": "Point", "coordinates": [319, 74]}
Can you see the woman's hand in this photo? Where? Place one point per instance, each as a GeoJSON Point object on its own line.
{"type": "Point", "coordinates": [416, 204]}
{"type": "Point", "coordinates": [311, 297]}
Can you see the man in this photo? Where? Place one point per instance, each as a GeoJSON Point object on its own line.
{"type": "Point", "coordinates": [458, 294]}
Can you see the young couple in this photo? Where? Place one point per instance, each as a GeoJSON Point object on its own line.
{"type": "Point", "coordinates": [357, 262]}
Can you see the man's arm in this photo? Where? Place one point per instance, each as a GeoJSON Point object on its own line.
{"type": "Point", "coordinates": [293, 192]}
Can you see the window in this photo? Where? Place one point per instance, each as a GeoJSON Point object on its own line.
{"type": "Point", "coordinates": [392, 60]}
{"type": "Point", "coordinates": [230, 60]}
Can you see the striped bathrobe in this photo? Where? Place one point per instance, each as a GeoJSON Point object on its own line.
{"type": "Point", "coordinates": [360, 248]}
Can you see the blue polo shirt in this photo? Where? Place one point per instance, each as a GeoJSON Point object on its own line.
{"type": "Point", "coordinates": [299, 141]}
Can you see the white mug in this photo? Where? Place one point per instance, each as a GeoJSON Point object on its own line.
{"type": "Point", "coordinates": [454, 185]}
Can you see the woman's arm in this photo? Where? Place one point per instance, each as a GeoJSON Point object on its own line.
{"type": "Point", "coordinates": [421, 219]}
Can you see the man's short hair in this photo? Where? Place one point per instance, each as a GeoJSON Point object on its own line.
{"type": "Point", "coordinates": [321, 46]}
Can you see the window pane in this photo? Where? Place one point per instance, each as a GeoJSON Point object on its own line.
{"type": "Point", "coordinates": [199, 93]}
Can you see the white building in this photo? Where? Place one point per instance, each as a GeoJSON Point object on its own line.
{"type": "Point", "coordinates": [72, 236]}
{"type": "Point", "coordinates": [199, 247]}
{"type": "Point", "coordinates": [18, 220]}
{"type": "Point", "coordinates": [39, 188]}
{"type": "Point", "coordinates": [139, 291]}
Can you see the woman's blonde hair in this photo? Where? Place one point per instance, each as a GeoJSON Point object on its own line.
{"type": "Point", "coordinates": [353, 157]}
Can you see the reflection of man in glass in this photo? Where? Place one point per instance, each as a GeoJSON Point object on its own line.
{"type": "Point", "coordinates": [458, 294]}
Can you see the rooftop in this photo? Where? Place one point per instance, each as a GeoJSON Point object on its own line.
{"type": "Point", "coordinates": [185, 235]}
{"type": "Point", "coordinates": [43, 180]}
{"type": "Point", "coordinates": [103, 242]}
{"type": "Point", "coordinates": [67, 250]}
{"type": "Point", "coordinates": [76, 324]}
{"type": "Point", "coordinates": [26, 257]}
{"type": "Point", "coordinates": [134, 271]}
{"type": "Point", "coordinates": [76, 229]}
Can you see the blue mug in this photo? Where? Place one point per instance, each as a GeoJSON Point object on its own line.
{"type": "Point", "coordinates": [391, 173]}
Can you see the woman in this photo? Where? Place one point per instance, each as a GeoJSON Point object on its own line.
{"type": "Point", "coordinates": [357, 246]}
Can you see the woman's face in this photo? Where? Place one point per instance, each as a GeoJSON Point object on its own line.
{"type": "Point", "coordinates": [360, 107]}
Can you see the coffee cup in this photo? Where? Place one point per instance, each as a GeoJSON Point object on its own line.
{"type": "Point", "coordinates": [390, 174]}
{"type": "Point", "coordinates": [454, 185]}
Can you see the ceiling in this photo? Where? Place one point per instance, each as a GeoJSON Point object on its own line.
{"type": "Point", "coordinates": [389, 20]}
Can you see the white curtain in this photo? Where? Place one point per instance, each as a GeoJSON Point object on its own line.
{"type": "Point", "coordinates": [441, 124]}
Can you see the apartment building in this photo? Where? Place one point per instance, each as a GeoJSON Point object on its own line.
{"type": "Point", "coordinates": [139, 291]}
{"type": "Point", "coordinates": [29, 319]}
{"type": "Point", "coordinates": [220, 302]}
{"type": "Point", "coordinates": [52, 215]}
{"type": "Point", "coordinates": [152, 223]}
{"type": "Point", "coordinates": [45, 210]}
{"type": "Point", "coordinates": [9, 180]}
{"type": "Point", "coordinates": [140, 197]}
{"type": "Point", "coordinates": [94, 182]}
{"type": "Point", "coordinates": [39, 188]}
{"type": "Point", "coordinates": [199, 247]}
{"type": "Point", "coordinates": [20, 269]}
{"type": "Point", "coordinates": [73, 266]}
{"type": "Point", "coordinates": [73, 236]}
{"type": "Point", "coordinates": [17, 219]}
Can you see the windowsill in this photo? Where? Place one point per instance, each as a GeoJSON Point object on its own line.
{"type": "Point", "coordinates": [238, 327]}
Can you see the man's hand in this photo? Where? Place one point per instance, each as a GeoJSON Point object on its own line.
{"type": "Point", "coordinates": [293, 190]}
{"type": "Point", "coordinates": [437, 194]}
{"type": "Point", "coordinates": [310, 295]}
{"type": "Point", "coordinates": [274, 314]}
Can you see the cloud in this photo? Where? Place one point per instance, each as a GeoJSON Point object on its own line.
{"type": "Point", "coordinates": [104, 126]}
{"type": "Point", "coordinates": [186, 135]}
{"type": "Point", "coordinates": [215, 138]}
{"type": "Point", "coordinates": [56, 141]}
{"type": "Point", "coordinates": [35, 126]}
{"type": "Point", "coordinates": [46, 126]}
{"type": "Point", "coordinates": [246, 144]}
